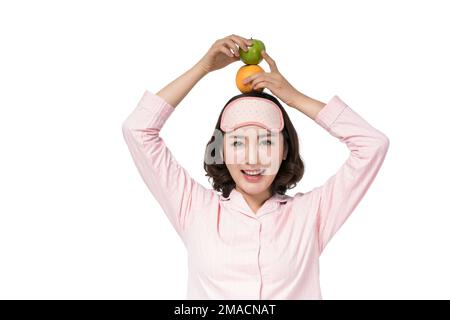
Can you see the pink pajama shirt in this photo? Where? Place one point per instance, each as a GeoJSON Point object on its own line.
{"type": "Point", "coordinates": [234, 253]}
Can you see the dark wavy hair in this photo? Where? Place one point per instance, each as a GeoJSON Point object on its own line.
{"type": "Point", "coordinates": [291, 169]}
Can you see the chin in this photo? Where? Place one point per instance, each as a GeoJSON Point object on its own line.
{"type": "Point", "coordinates": [255, 188]}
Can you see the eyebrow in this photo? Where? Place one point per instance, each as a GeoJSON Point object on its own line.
{"type": "Point", "coordinates": [268, 134]}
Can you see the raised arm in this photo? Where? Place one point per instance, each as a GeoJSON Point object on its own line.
{"type": "Point", "coordinates": [222, 53]}
{"type": "Point", "coordinates": [178, 194]}
{"type": "Point", "coordinates": [169, 182]}
{"type": "Point", "coordinates": [336, 199]}
{"type": "Point", "coordinates": [175, 91]}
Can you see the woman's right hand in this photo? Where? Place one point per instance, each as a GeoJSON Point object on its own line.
{"type": "Point", "coordinates": [220, 54]}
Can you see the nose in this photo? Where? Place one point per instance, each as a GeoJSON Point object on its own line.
{"type": "Point", "coordinates": [251, 154]}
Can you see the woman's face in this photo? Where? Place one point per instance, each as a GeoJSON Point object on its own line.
{"type": "Point", "coordinates": [253, 156]}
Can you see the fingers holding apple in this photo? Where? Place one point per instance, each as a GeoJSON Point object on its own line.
{"type": "Point", "coordinates": [232, 46]}
{"type": "Point", "coordinates": [253, 54]}
{"type": "Point", "coordinates": [223, 52]}
{"type": "Point", "coordinates": [242, 43]}
{"type": "Point", "coordinates": [235, 44]}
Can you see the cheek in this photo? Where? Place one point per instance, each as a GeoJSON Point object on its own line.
{"type": "Point", "coordinates": [234, 156]}
{"type": "Point", "coordinates": [235, 172]}
{"type": "Point", "coordinates": [271, 158]}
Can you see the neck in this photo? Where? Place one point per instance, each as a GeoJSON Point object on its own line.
{"type": "Point", "coordinates": [255, 201]}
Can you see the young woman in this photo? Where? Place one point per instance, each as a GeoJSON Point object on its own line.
{"type": "Point", "coordinates": [247, 239]}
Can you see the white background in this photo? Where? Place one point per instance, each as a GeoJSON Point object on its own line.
{"type": "Point", "coordinates": [76, 219]}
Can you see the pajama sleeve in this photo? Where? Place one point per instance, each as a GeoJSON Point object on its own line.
{"type": "Point", "coordinates": [341, 193]}
{"type": "Point", "coordinates": [173, 188]}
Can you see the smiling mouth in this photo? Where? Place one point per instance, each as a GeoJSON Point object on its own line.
{"type": "Point", "coordinates": [253, 173]}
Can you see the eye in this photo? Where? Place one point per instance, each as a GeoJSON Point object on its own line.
{"type": "Point", "coordinates": [267, 142]}
{"type": "Point", "coordinates": [236, 143]}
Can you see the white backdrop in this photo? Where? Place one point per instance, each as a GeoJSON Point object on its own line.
{"type": "Point", "coordinates": [76, 219]}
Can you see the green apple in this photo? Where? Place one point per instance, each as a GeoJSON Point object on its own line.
{"type": "Point", "coordinates": [253, 55]}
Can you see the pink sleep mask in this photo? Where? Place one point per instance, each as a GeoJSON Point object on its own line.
{"type": "Point", "coordinates": [252, 111]}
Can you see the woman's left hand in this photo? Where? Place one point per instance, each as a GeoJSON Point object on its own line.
{"type": "Point", "coordinates": [274, 81]}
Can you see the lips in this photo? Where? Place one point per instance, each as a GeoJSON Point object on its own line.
{"type": "Point", "coordinates": [253, 172]}
{"type": "Point", "coordinates": [253, 176]}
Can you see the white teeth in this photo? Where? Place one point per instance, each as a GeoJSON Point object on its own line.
{"type": "Point", "coordinates": [253, 172]}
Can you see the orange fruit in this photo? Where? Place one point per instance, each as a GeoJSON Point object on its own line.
{"type": "Point", "coordinates": [244, 72]}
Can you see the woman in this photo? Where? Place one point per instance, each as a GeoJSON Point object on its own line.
{"type": "Point", "coordinates": [250, 240]}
